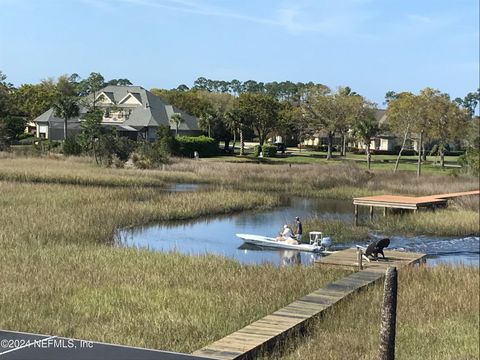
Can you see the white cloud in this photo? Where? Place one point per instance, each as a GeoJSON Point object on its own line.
{"type": "Point", "coordinates": [328, 17]}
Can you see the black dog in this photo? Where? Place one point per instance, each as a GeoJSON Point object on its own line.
{"type": "Point", "coordinates": [376, 247]}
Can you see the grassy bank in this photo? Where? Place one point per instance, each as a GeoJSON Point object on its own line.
{"type": "Point", "coordinates": [325, 180]}
{"type": "Point", "coordinates": [329, 180]}
{"type": "Point", "coordinates": [136, 200]}
{"type": "Point", "coordinates": [52, 213]}
{"type": "Point", "coordinates": [437, 318]}
{"type": "Point", "coordinates": [454, 221]}
{"type": "Point", "coordinates": [338, 230]}
{"type": "Point", "coordinates": [448, 222]}
{"type": "Point", "coordinates": [141, 298]}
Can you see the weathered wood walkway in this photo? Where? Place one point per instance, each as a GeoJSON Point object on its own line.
{"type": "Point", "coordinates": [263, 333]}
{"type": "Point", "coordinates": [407, 202]}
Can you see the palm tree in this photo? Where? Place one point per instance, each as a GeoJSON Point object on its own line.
{"type": "Point", "coordinates": [206, 121]}
{"type": "Point", "coordinates": [177, 120]}
{"type": "Point", "coordinates": [365, 129]}
{"type": "Point", "coordinates": [236, 123]}
{"type": "Point", "coordinates": [66, 108]}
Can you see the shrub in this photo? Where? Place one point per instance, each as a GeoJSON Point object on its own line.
{"type": "Point", "coordinates": [110, 146]}
{"type": "Point", "coordinates": [256, 150]}
{"type": "Point", "coordinates": [71, 146]}
{"type": "Point", "coordinates": [166, 143]}
{"type": "Point", "coordinates": [205, 146]}
{"type": "Point", "coordinates": [385, 152]}
{"type": "Point", "coordinates": [148, 155]}
{"type": "Point", "coordinates": [470, 161]}
{"type": "Point", "coordinates": [25, 136]}
{"type": "Point", "coordinates": [269, 150]}
{"type": "Point", "coordinates": [124, 147]}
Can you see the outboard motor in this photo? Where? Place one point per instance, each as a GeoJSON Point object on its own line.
{"type": "Point", "coordinates": [317, 238]}
{"type": "Point", "coordinates": [326, 242]}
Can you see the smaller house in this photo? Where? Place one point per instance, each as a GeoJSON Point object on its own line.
{"type": "Point", "coordinates": [383, 141]}
{"type": "Point", "coordinates": [133, 111]}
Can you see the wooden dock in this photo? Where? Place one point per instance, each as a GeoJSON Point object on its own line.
{"type": "Point", "coordinates": [266, 332]}
{"type": "Point", "coordinates": [347, 259]}
{"type": "Point", "coordinates": [406, 202]}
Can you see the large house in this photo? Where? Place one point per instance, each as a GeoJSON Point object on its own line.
{"type": "Point", "coordinates": [133, 111]}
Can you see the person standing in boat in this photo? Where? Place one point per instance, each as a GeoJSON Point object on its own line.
{"type": "Point", "coordinates": [299, 230]}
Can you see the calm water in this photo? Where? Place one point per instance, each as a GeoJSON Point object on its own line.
{"type": "Point", "coordinates": [216, 235]}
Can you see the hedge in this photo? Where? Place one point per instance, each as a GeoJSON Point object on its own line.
{"type": "Point", "coordinates": [187, 145]}
{"type": "Point", "coordinates": [385, 152]}
{"type": "Point", "coordinates": [267, 150]}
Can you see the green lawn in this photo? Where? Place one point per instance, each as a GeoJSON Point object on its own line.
{"type": "Point", "coordinates": [383, 162]}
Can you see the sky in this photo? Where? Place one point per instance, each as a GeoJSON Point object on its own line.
{"type": "Point", "coordinates": [373, 46]}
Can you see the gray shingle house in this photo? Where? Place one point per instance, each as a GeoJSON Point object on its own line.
{"type": "Point", "coordinates": [132, 110]}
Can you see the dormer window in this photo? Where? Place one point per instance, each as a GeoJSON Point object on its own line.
{"type": "Point", "coordinates": [105, 98]}
{"type": "Point", "coordinates": [131, 99]}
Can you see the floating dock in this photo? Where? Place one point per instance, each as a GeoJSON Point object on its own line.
{"type": "Point", "coordinates": [263, 334]}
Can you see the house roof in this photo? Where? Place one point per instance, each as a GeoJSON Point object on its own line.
{"type": "Point", "coordinates": [381, 115]}
{"type": "Point", "coordinates": [153, 111]}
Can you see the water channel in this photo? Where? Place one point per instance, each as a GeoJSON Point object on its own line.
{"type": "Point", "coordinates": [216, 235]}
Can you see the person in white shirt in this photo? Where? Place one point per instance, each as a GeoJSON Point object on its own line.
{"type": "Point", "coordinates": [287, 232]}
{"type": "Point", "coordinates": [287, 236]}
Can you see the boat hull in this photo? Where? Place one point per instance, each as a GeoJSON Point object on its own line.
{"type": "Point", "coordinates": [265, 241]}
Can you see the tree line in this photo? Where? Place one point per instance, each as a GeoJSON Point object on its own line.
{"type": "Point", "coordinates": [297, 111]}
{"type": "Point", "coordinates": [234, 110]}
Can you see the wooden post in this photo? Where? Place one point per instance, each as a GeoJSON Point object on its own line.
{"type": "Point", "coordinates": [359, 259]}
{"type": "Point", "coordinates": [371, 213]}
{"type": "Point", "coordinates": [389, 316]}
{"type": "Point", "coordinates": [356, 215]}
{"type": "Point", "coordinates": [384, 211]}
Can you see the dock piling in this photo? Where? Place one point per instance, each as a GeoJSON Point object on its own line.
{"type": "Point", "coordinates": [359, 259]}
{"type": "Point", "coordinates": [389, 316]}
{"type": "Point", "coordinates": [356, 215]}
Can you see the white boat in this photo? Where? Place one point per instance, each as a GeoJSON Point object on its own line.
{"type": "Point", "coordinates": [266, 241]}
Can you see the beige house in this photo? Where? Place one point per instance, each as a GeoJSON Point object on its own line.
{"type": "Point", "coordinates": [385, 141]}
{"type": "Point", "coordinates": [133, 111]}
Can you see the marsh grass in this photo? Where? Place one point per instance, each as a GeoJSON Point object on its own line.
{"type": "Point", "coordinates": [141, 298]}
{"type": "Point", "coordinates": [45, 213]}
{"type": "Point", "coordinates": [334, 181]}
{"type": "Point", "coordinates": [338, 230]}
{"type": "Point", "coordinates": [446, 222]}
{"type": "Point", "coordinates": [437, 318]}
{"type": "Point", "coordinates": [61, 277]}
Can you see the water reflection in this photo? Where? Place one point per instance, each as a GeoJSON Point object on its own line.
{"type": "Point", "coordinates": [183, 187]}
